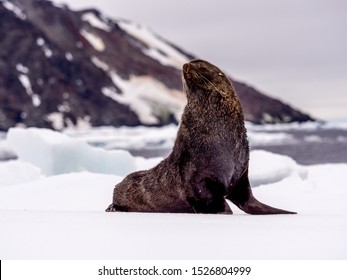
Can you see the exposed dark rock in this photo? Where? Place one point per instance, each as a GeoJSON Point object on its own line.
{"type": "Point", "coordinates": [60, 67]}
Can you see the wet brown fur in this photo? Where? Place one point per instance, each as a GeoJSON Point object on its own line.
{"type": "Point", "coordinates": [209, 161]}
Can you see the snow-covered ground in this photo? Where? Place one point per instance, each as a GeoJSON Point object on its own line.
{"type": "Point", "coordinates": [52, 202]}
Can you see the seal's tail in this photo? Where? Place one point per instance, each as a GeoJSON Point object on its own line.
{"type": "Point", "coordinates": [242, 196]}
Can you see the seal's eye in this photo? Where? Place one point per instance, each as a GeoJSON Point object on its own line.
{"type": "Point", "coordinates": [220, 74]}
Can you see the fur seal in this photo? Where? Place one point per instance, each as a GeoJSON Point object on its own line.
{"type": "Point", "coordinates": [209, 161]}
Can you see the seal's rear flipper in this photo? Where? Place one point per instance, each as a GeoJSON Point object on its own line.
{"type": "Point", "coordinates": [111, 208]}
{"type": "Point", "coordinates": [241, 195]}
{"type": "Point", "coordinates": [255, 207]}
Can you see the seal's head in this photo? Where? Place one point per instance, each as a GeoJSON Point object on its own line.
{"type": "Point", "coordinates": [203, 78]}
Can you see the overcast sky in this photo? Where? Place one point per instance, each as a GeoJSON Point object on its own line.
{"type": "Point", "coordinates": [294, 50]}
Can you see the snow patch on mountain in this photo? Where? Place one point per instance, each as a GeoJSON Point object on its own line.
{"type": "Point", "coordinates": [95, 21]}
{"type": "Point", "coordinates": [57, 120]}
{"type": "Point", "coordinates": [146, 96]}
{"type": "Point", "coordinates": [69, 56]}
{"type": "Point", "coordinates": [100, 64]}
{"type": "Point", "coordinates": [21, 68]}
{"type": "Point", "coordinates": [136, 79]}
{"type": "Point", "coordinates": [157, 48]}
{"type": "Point", "coordinates": [46, 50]}
{"type": "Point", "coordinates": [27, 85]}
{"type": "Point", "coordinates": [96, 42]}
{"type": "Point", "coordinates": [15, 9]}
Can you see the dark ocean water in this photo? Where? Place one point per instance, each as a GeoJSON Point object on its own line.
{"type": "Point", "coordinates": [313, 147]}
{"type": "Point", "coordinates": [304, 146]}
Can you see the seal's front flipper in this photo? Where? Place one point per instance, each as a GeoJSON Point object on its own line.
{"type": "Point", "coordinates": [227, 209]}
{"type": "Point", "coordinates": [241, 195]}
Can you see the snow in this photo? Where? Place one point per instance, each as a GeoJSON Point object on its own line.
{"type": "Point", "coordinates": [313, 138]}
{"type": "Point", "coordinates": [5, 151]}
{"type": "Point", "coordinates": [60, 214]}
{"type": "Point", "coordinates": [143, 163]}
{"type": "Point", "coordinates": [146, 96]}
{"type": "Point", "coordinates": [127, 138]}
{"type": "Point", "coordinates": [264, 138]}
{"type": "Point", "coordinates": [145, 138]}
{"type": "Point", "coordinates": [80, 124]}
{"type": "Point", "coordinates": [69, 56]}
{"type": "Point", "coordinates": [21, 68]}
{"type": "Point", "coordinates": [135, 102]}
{"type": "Point", "coordinates": [64, 107]}
{"type": "Point", "coordinates": [56, 153]}
{"type": "Point", "coordinates": [94, 21]}
{"type": "Point", "coordinates": [341, 139]}
{"type": "Point", "coordinates": [60, 196]}
{"type": "Point", "coordinates": [56, 119]}
{"type": "Point", "coordinates": [306, 126]}
{"type": "Point", "coordinates": [24, 79]}
{"type": "Point", "coordinates": [96, 42]}
{"type": "Point", "coordinates": [157, 47]}
{"type": "Point", "coordinates": [27, 85]}
{"type": "Point", "coordinates": [16, 172]}
{"type": "Point", "coordinates": [266, 167]}
{"type": "Point", "coordinates": [46, 50]}
{"type": "Point", "coordinates": [13, 8]}
{"type": "Point", "coordinates": [98, 63]}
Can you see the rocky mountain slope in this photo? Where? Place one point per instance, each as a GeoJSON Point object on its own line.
{"type": "Point", "coordinates": [61, 68]}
